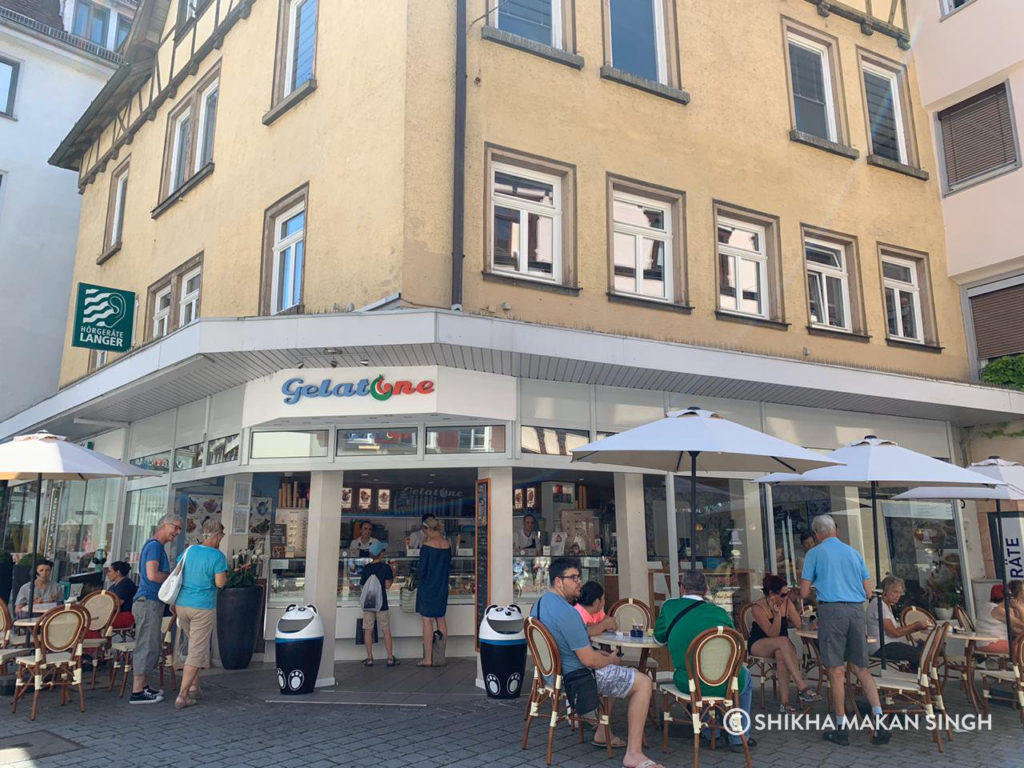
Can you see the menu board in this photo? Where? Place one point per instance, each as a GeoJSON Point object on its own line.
{"type": "Point", "coordinates": [482, 516]}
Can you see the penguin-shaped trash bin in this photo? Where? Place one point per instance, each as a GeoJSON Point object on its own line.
{"type": "Point", "coordinates": [298, 644]}
{"type": "Point", "coordinates": [503, 651]}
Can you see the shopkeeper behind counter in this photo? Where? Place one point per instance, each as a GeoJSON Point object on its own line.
{"type": "Point", "coordinates": [360, 547]}
{"type": "Point", "coordinates": [527, 540]}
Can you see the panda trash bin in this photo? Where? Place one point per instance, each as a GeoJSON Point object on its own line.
{"type": "Point", "coordinates": [503, 651]}
{"type": "Point", "coordinates": [298, 643]}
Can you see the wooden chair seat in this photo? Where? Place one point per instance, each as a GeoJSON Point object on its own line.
{"type": "Point", "coordinates": [57, 658]}
{"type": "Point", "coordinates": [52, 659]}
{"type": "Point", "coordinates": [123, 647]}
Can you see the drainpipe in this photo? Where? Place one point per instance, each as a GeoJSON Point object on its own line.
{"type": "Point", "coordinates": [459, 166]}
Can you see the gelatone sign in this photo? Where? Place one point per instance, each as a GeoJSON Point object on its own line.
{"type": "Point", "coordinates": [297, 388]}
{"type": "Point", "coordinates": [103, 318]}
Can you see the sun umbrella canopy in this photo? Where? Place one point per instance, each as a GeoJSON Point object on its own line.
{"type": "Point", "coordinates": [873, 460]}
{"type": "Point", "coordinates": [665, 445]}
{"type": "Point", "coordinates": [1010, 472]}
{"type": "Point", "coordinates": [26, 457]}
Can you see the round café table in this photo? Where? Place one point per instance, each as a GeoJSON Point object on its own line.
{"type": "Point", "coordinates": [623, 640]}
{"type": "Point", "coordinates": [972, 638]}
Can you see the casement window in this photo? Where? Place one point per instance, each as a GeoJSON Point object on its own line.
{"type": "Point", "coordinates": [885, 113]}
{"type": "Point", "coordinates": [948, 6]}
{"type": "Point", "coordinates": [295, 57]}
{"type": "Point", "coordinates": [124, 26]}
{"type": "Point", "coordinates": [997, 314]}
{"type": "Point", "coordinates": [8, 85]}
{"type": "Point", "coordinates": [181, 140]}
{"type": "Point", "coordinates": [162, 313]}
{"type": "Point", "coordinates": [207, 126]}
{"type": "Point", "coordinates": [643, 260]}
{"type": "Point", "coordinates": [742, 267]}
{"type": "Point", "coordinates": [188, 304]}
{"type": "Point", "coordinates": [539, 20]}
{"type": "Point", "coordinates": [284, 254]}
{"type": "Point", "coordinates": [91, 21]}
{"type": "Point", "coordinates": [188, 10]}
{"type": "Point", "coordinates": [97, 359]}
{"type": "Point", "coordinates": [191, 128]}
{"type": "Point", "coordinates": [828, 285]}
{"type": "Point", "coordinates": [902, 285]}
{"type": "Point", "coordinates": [813, 85]}
{"type": "Point", "coordinates": [527, 218]}
{"type": "Point", "coordinates": [116, 206]}
{"type": "Point", "coordinates": [638, 38]}
{"type": "Point", "coordinates": [978, 140]}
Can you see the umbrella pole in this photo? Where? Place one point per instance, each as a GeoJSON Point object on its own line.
{"type": "Point", "coordinates": [35, 547]}
{"type": "Point", "coordinates": [1006, 591]}
{"type": "Point", "coordinates": [878, 571]}
{"type": "Point", "coordinates": [673, 535]}
{"type": "Point", "coordinates": [693, 510]}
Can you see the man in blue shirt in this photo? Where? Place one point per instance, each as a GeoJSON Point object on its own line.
{"type": "Point", "coordinates": [839, 574]}
{"type": "Point", "coordinates": [148, 611]}
{"type": "Point", "coordinates": [555, 611]}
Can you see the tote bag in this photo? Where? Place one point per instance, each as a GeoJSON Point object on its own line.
{"type": "Point", "coordinates": [172, 584]}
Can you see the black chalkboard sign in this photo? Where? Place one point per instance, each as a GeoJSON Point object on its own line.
{"type": "Point", "coordinates": [482, 515]}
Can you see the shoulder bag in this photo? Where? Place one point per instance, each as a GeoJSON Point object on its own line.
{"type": "Point", "coordinates": [580, 684]}
{"type": "Point", "coordinates": [172, 584]}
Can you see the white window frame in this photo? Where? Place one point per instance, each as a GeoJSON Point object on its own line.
{"type": "Point", "coordinates": [736, 254]}
{"type": "Point", "coordinates": [280, 246]}
{"type": "Point", "coordinates": [289, 62]}
{"type": "Point", "coordinates": [913, 288]}
{"type": "Point", "coordinates": [204, 117]}
{"type": "Point", "coordinates": [824, 53]}
{"type": "Point", "coordinates": [93, 8]}
{"type": "Point", "coordinates": [525, 207]}
{"type": "Point", "coordinates": [948, 7]}
{"type": "Point", "coordinates": [660, 48]}
{"type": "Point", "coordinates": [120, 193]}
{"type": "Point", "coordinates": [11, 96]}
{"type": "Point", "coordinates": [190, 299]}
{"type": "Point", "coordinates": [897, 105]}
{"type": "Point", "coordinates": [822, 271]}
{"type": "Point", "coordinates": [161, 316]}
{"type": "Point", "coordinates": [638, 234]}
{"type": "Point", "coordinates": [99, 358]}
{"type": "Point", "coordinates": [557, 33]}
{"type": "Point", "coordinates": [191, 10]}
{"type": "Point", "coordinates": [176, 152]}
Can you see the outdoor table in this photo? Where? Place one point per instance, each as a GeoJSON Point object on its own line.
{"type": "Point", "coordinates": [645, 644]}
{"type": "Point", "coordinates": [812, 634]}
{"type": "Point", "coordinates": [972, 638]}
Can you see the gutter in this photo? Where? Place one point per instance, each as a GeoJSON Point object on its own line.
{"type": "Point", "coordinates": [459, 154]}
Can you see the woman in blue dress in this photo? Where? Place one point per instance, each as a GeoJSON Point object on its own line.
{"type": "Point", "coordinates": [432, 593]}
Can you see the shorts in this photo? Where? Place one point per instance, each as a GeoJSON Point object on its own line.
{"type": "Point", "coordinates": [149, 616]}
{"type": "Point", "coordinates": [615, 681]}
{"type": "Point", "coordinates": [380, 618]}
{"type": "Point", "coordinates": [197, 625]}
{"type": "Point", "coordinates": [842, 634]}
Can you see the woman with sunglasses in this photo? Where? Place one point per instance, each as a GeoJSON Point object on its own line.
{"type": "Point", "coordinates": [769, 636]}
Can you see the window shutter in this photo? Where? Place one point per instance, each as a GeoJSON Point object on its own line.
{"type": "Point", "coordinates": [999, 322]}
{"type": "Point", "coordinates": [977, 136]}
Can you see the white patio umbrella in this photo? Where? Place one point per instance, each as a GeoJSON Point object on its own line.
{"type": "Point", "coordinates": [698, 440]}
{"type": "Point", "coordinates": [872, 462]}
{"type": "Point", "coordinates": [1011, 473]}
{"type": "Point", "coordinates": [43, 456]}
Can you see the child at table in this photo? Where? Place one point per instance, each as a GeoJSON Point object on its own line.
{"type": "Point", "coordinates": [591, 608]}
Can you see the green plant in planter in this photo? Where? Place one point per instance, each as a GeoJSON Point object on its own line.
{"type": "Point", "coordinates": [245, 568]}
{"type": "Point", "coordinates": [1008, 371]}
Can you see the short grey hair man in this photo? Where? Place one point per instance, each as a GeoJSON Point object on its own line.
{"type": "Point", "coordinates": [693, 583]}
{"type": "Point", "coordinates": [823, 525]}
{"type": "Point", "coordinates": [892, 583]}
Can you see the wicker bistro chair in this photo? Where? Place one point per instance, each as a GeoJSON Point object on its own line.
{"type": "Point", "coordinates": [11, 645]}
{"type": "Point", "coordinates": [766, 666]}
{"type": "Point", "coordinates": [547, 665]}
{"type": "Point", "coordinates": [57, 661]}
{"type": "Point", "coordinates": [920, 691]}
{"type": "Point", "coordinates": [715, 657]}
{"type": "Point", "coordinates": [102, 607]}
{"type": "Point", "coordinates": [1013, 676]}
{"type": "Point", "coordinates": [627, 612]}
{"type": "Point", "coordinates": [913, 613]}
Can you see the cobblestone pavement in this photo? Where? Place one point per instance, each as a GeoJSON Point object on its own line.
{"type": "Point", "coordinates": [411, 717]}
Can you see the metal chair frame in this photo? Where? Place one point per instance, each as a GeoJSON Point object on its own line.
{"type": "Point", "coordinates": [58, 658]}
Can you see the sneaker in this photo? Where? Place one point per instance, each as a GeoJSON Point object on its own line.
{"type": "Point", "coordinates": [145, 696]}
{"type": "Point", "coordinates": [839, 736]}
{"type": "Point", "coordinates": [154, 691]}
{"type": "Point", "coordinates": [788, 709]}
{"type": "Point", "coordinates": [807, 696]}
{"type": "Point", "coordinates": [882, 736]}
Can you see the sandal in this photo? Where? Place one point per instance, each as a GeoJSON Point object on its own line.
{"type": "Point", "coordinates": [367, 662]}
{"type": "Point", "coordinates": [617, 743]}
{"type": "Point", "coordinates": [182, 703]}
{"type": "Point", "coordinates": [195, 693]}
{"type": "Point", "coordinates": [645, 764]}
{"type": "Point", "coordinates": [393, 662]}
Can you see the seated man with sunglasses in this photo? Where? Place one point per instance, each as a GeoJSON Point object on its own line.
{"type": "Point", "coordinates": [554, 609]}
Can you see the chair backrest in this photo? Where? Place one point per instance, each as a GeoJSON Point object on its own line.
{"type": "Point", "coordinates": [913, 613]}
{"type": "Point", "coordinates": [6, 624]}
{"type": "Point", "coordinates": [546, 659]}
{"type": "Point", "coordinates": [746, 619]}
{"type": "Point", "coordinates": [930, 653]}
{"type": "Point", "coordinates": [963, 618]}
{"type": "Point", "coordinates": [714, 658]}
{"type": "Point", "coordinates": [60, 629]}
{"type": "Point", "coordinates": [631, 611]}
{"type": "Point", "coordinates": [102, 608]}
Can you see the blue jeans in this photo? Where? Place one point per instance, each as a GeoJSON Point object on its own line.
{"type": "Point", "coordinates": [746, 694]}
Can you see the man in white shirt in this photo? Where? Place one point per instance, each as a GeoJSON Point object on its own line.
{"type": "Point", "coordinates": [360, 547]}
{"type": "Point", "coordinates": [899, 647]}
{"type": "Point", "coordinates": [527, 541]}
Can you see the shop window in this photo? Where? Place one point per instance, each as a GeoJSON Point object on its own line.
{"type": "Point", "coordinates": [154, 462]}
{"type": "Point", "coordinates": [645, 242]}
{"type": "Point", "coordinates": [399, 441]}
{"type": "Point", "coordinates": [223, 449]}
{"type": "Point", "coordinates": [188, 457]}
{"type": "Point", "coordinates": [748, 269]}
{"type": "Point", "coordinates": [145, 508]}
{"type": "Point", "coordinates": [552, 441]}
{"type": "Point", "coordinates": [924, 551]}
{"type": "Point", "coordinates": [476, 439]}
{"type": "Point", "coordinates": [289, 445]}
{"type": "Point", "coordinates": [87, 511]}
{"type": "Point", "coordinates": [8, 85]}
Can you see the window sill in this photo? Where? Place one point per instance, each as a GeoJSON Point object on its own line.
{"type": "Point", "coordinates": [289, 101]}
{"type": "Point", "coordinates": [640, 301]}
{"type": "Point", "coordinates": [109, 252]}
{"type": "Point", "coordinates": [643, 84]}
{"type": "Point", "coordinates": [824, 144]}
{"type": "Point", "coordinates": [921, 346]}
{"type": "Point", "coordinates": [183, 190]}
{"type": "Point", "coordinates": [735, 317]}
{"type": "Point", "coordinates": [548, 52]}
{"type": "Point", "coordinates": [8, 116]}
{"type": "Point", "coordinates": [892, 165]}
{"type": "Point", "coordinates": [525, 282]}
{"type": "Point", "coordinates": [295, 309]}
{"type": "Point", "coordinates": [817, 330]}
{"type": "Point", "coordinates": [981, 178]}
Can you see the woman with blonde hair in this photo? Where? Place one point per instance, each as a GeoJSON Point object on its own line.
{"type": "Point", "coordinates": [435, 567]}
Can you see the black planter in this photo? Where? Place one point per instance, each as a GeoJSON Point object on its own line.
{"type": "Point", "coordinates": [238, 614]}
{"type": "Point", "coordinates": [6, 582]}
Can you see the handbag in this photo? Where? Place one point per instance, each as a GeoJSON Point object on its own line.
{"type": "Point", "coordinates": [437, 649]}
{"type": "Point", "coordinates": [580, 685]}
{"type": "Point", "coordinates": [169, 590]}
{"type": "Point", "coordinates": [360, 633]}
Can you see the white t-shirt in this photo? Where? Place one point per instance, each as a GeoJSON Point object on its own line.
{"type": "Point", "coordinates": [357, 545]}
{"type": "Point", "coordinates": [873, 624]}
{"type": "Point", "coordinates": [530, 544]}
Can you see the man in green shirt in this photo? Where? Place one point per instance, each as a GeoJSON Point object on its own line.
{"type": "Point", "coordinates": [701, 616]}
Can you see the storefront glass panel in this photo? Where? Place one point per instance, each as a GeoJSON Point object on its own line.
{"type": "Point", "coordinates": [188, 457]}
{"type": "Point", "coordinates": [154, 462]}
{"type": "Point", "coordinates": [478, 439]}
{"type": "Point", "coordinates": [21, 518]}
{"type": "Point", "coordinates": [85, 523]}
{"type": "Point", "coordinates": [551, 441]}
{"type": "Point", "coordinates": [145, 508]}
{"type": "Point", "coordinates": [400, 441]}
{"type": "Point", "coordinates": [222, 449]}
{"type": "Point", "coordinates": [289, 445]}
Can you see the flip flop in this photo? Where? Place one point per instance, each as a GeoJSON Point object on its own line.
{"type": "Point", "coordinates": [367, 662]}
{"type": "Point", "coordinates": [645, 764]}
{"type": "Point", "coordinates": [393, 662]}
{"type": "Point", "coordinates": [421, 664]}
{"type": "Point", "coordinates": [617, 743]}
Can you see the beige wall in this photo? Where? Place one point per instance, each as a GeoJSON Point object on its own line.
{"type": "Point", "coordinates": [374, 143]}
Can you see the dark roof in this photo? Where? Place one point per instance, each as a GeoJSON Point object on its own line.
{"type": "Point", "coordinates": [44, 11]}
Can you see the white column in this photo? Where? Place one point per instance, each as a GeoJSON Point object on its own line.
{"type": "Point", "coordinates": [499, 569]}
{"type": "Point", "coordinates": [631, 535]}
{"type": "Point", "coordinates": [323, 533]}
{"type": "Point", "coordinates": [234, 542]}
